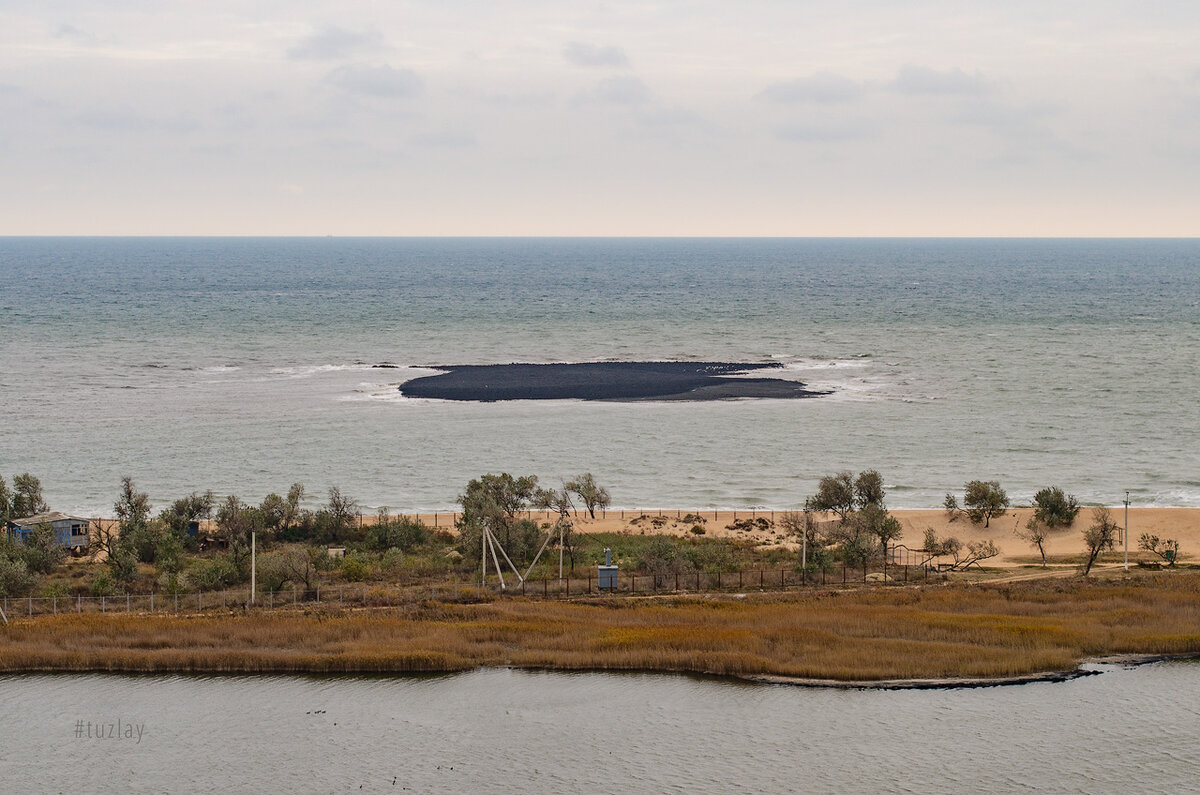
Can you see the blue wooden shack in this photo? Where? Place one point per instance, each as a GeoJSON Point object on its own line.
{"type": "Point", "coordinates": [70, 532]}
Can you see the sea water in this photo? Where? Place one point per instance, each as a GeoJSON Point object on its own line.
{"type": "Point", "coordinates": [244, 365]}
{"type": "Point", "coordinates": [1125, 730]}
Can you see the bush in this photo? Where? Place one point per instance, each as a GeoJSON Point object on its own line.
{"type": "Point", "coordinates": [215, 574]}
{"type": "Point", "coordinates": [1053, 508]}
{"type": "Point", "coordinates": [354, 569]}
{"type": "Point", "coordinates": [392, 562]}
{"type": "Point", "coordinates": [103, 584]}
{"type": "Point", "coordinates": [404, 534]}
{"type": "Point", "coordinates": [41, 552]}
{"type": "Point", "coordinates": [15, 579]}
{"type": "Point", "coordinates": [173, 582]}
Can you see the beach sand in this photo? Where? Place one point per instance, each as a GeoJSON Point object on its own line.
{"type": "Point", "coordinates": [1182, 524]}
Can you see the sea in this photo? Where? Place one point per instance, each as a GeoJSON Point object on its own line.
{"type": "Point", "coordinates": [243, 365]}
{"type": "Point", "coordinates": [1120, 731]}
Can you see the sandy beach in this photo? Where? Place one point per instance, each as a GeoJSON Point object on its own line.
{"type": "Point", "coordinates": [762, 526]}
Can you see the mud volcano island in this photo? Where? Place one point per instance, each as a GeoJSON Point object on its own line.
{"type": "Point", "coordinates": [616, 381]}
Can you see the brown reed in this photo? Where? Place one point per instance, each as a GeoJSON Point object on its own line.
{"type": "Point", "coordinates": [897, 633]}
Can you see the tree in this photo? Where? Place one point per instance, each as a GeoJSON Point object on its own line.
{"type": "Point", "coordinates": [1054, 508]}
{"type": "Point", "coordinates": [881, 525]}
{"type": "Point", "coordinates": [984, 500]}
{"type": "Point", "coordinates": [868, 489]}
{"type": "Point", "coordinates": [337, 519]}
{"type": "Point", "coordinates": [132, 507]}
{"type": "Point", "coordinates": [661, 557]}
{"type": "Point", "coordinates": [492, 502]}
{"type": "Point", "coordinates": [975, 551]}
{"type": "Point", "coordinates": [135, 537]}
{"type": "Point", "coordinates": [1165, 548]}
{"type": "Point", "coordinates": [404, 534]}
{"type": "Point", "coordinates": [26, 497]}
{"type": "Point", "coordinates": [1035, 533]}
{"type": "Point", "coordinates": [234, 523]}
{"type": "Point", "coordinates": [5, 503]}
{"type": "Point", "coordinates": [835, 493]}
{"type": "Point", "coordinates": [554, 500]}
{"type": "Point", "coordinates": [1100, 537]}
{"type": "Point", "coordinates": [941, 547]}
{"type": "Point", "coordinates": [590, 492]}
{"type": "Point", "coordinates": [951, 506]}
{"type": "Point", "coordinates": [178, 518]}
{"type": "Point", "coordinates": [41, 552]}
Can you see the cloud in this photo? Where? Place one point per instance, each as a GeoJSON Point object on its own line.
{"type": "Point", "coordinates": [127, 120]}
{"type": "Point", "coordinates": [332, 43]}
{"type": "Point", "coordinates": [921, 80]}
{"type": "Point", "coordinates": [376, 81]}
{"type": "Point", "coordinates": [590, 55]}
{"type": "Point", "coordinates": [446, 139]}
{"type": "Point", "coordinates": [825, 132]}
{"type": "Point", "coordinates": [824, 88]}
{"type": "Point", "coordinates": [629, 91]}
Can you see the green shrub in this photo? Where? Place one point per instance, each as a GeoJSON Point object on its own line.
{"type": "Point", "coordinates": [404, 534]}
{"type": "Point", "coordinates": [15, 579]}
{"type": "Point", "coordinates": [1054, 508]}
{"type": "Point", "coordinates": [215, 574]}
{"type": "Point", "coordinates": [103, 584]}
{"type": "Point", "coordinates": [355, 569]}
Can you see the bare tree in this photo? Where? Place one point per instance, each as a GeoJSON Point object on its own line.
{"type": "Point", "coordinates": [1035, 534]}
{"type": "Point", "coordinates": [1100, 537]}
{"type": "Point", "coordinates": [590, 492]}
{"type": "Point", "coordinates": [1165, 548]}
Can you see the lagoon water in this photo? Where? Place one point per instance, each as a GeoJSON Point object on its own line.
{"type": "Point", "coordinates": [1125, 730]}
{"type": "Point", "coordinates": [243, 365]}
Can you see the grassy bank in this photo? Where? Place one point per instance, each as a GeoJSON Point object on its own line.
{"type": "Point", "coordinates": [949, 631]}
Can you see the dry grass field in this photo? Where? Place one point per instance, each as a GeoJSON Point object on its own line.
{"type": "Point", "coordinates": [997, 630]}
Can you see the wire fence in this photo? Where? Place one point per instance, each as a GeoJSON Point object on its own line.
{"type": "Point", "coordinates": [573, 585]}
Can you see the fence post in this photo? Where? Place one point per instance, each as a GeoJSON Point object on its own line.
{"type": "Point", "coordinates": [126, 602]}
{"type": "Point", "coordinates": [31, 605]}
{"type": "Point", "coordinates": [318, 594]}
{"type": "Point", "coordinates": [843, 573]}
{"type": "Point", "coordinates": [589, 583]}
{"type": "Point", "coordinates": [78, 603]}
{"type": "Point", "coordinates": [177, 601]}
{"type": "Point", "coordinates": [545, 586]}
{"type": "Point", "coordinates": [102, 607]}
{"type": "Point", "coordinates": [55, 604]}
{"type": "Point", "coordinates": [152, 601]}
{"type": "Point", "coordinates": [294, 587]}
{"type": "Point", "coordinates": [272, 599]}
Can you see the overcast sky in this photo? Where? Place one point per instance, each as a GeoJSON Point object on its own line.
{"type": "Point", "coordinates": [904, 117]}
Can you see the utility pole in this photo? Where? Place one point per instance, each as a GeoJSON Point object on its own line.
{"type": "Point", "coordinates": [253, 567]}
{"type": "Point", "coordinates": [804, 537]}
{"type": "Point", "coordinates": [1127, 531]}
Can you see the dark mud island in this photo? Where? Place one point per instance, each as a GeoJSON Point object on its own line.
{"type": "Point", "coordinates": [617, 381]}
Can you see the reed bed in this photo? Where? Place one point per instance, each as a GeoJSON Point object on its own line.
{"type": "Point", "coordinates": [977, 631]}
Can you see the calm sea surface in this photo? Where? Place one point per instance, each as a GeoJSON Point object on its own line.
{"type": "Point", "coordinates": [1126, 730]}
{"type": "Point", "coordinates": [243, 365]}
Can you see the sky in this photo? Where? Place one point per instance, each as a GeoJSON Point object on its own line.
{"type": "Point", "coordinates": [897, 118]}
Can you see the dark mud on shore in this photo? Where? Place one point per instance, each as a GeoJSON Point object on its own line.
{"type": "Point", "coordinates": [616, 381]}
